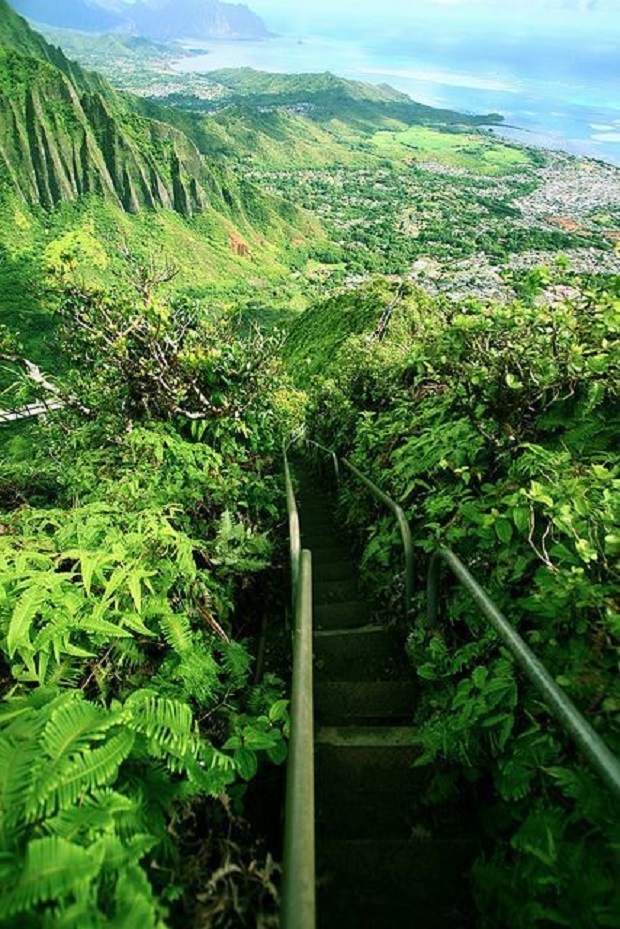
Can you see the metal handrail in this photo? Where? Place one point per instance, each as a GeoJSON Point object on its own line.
{"type": "Point", "coordinates": [30, 411]}
{"type": "Point", "coordinates": [403, 525]}
{"type": "Point", "coordinates": [294, 531]}
{"type": "Point", "coordinates": [298, 905]}
{"type": "Point", "coordinates": [560, 704]}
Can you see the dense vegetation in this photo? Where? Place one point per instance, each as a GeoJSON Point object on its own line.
{"type": "Point", "coordinates": [132, 526]}
{"type": "Point", "coordinates": [139, 524]}
{"type": "Point", "coordinates": [496, 428]}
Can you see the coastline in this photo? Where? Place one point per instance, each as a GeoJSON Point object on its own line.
{"type": "Point", "coordinates": [546, 120]}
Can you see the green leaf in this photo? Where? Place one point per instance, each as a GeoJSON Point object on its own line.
{"type": "Point", "coordinates": [257, 740]}
{"type": "Point", "coordinates": [25, 610]}
{"type": "Point", "coordinates": [521, 518]}
{"type": "Point", "coordinates": [54, 868]}
{"type": "Point", "coordinates": [87, 567]}
{"type": "Point", "coordinates": [135, 589]}
{"type": "Point", "coordinates": [278, 711]}
{"type": "Point", "coordinates": [503, 528]}
{"type": "Point", "coordinates": [479, 677]}
{"type": "Point", "coordinates": [278, 753]}
{"type": "Point", "coordinates": [246, 763]}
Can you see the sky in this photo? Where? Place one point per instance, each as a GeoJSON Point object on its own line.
{"type": "Point", "coordinates": [317, 16]}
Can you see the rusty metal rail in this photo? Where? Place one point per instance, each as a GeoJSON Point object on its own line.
{"type": "Point", "coordinates": [298, 906]}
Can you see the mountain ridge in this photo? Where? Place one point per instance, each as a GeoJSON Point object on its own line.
{"type": "Point", "coordinates": [154, 19]}
{"type": "Point", "coordinates": [66, 133]}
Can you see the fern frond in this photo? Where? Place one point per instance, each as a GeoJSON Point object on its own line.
{"type": "Point", "coordinates": [88, 771]}
{"type": "Point", "coordinates": [175, 628]}
{"type": "Point", "coordinates": [104, 811]}
{"type": "Point", "coordinates": [166, 723]}
{"type": "Point", "coordinates": [196, 670]}
{"type": "Point", "coordinates": [118, 855]}
{"type": "Point", "coordinates": [135, 904]}
{"type": "Point", "coordinates": [82, 914]}
{"type": "Point", "coordinates": [237, 663]}
{"type": "Point", "coordinates": [25, 610]}
{"type": "Point", "coordinates": [126, 653]}
{"type": "Point", "coordinates": [53, 869]}
{"type": "Point", "coordinates": [73, 725]}
{"type": "Point", "coordinates": [19, 765]}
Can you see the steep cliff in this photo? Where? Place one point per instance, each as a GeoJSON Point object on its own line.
{"type": "Point", "coordinates": [57, 144]}
{"type": "Point", "coordinates": [64, 132]}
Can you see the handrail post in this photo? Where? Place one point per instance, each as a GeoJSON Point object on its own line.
{"type": "Point", "coordinates": [336, 468]}
{"type": "Point", "coordinates": [405, 533]}
{"type": "Point", "coordinates": [432, 590]}
{"type": "Point", "coordinates": [298, 906]}
{"type": "Point", "coordinates": [294, 531]}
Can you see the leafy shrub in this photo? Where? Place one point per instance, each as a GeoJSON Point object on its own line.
{"type": "Point", "coordinates": [495, 427]}
{"type": "Point", "coordinates": [128, 698]}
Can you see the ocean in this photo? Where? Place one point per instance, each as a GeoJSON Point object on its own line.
{"type": "Point", "coordinates": [561, 93]}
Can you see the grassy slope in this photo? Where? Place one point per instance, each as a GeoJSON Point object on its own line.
{"type": "Point", "coordinates": [33, 242]}
{"type": "Point", "coordinates": [91, 229]}
{"type": "Point", "coordinates": [332, 96]}
{"type": "Point", "coordinates": [469, 151]}
{"type": "Point", "coordinates": [315, 337]}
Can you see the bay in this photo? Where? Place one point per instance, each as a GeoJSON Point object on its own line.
{"type": "Point", "coordinates": [562, 95]}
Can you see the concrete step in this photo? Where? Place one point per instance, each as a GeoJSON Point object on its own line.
{"type": "Point", "coordinates": [338, 591]}
{"type": "Point", "coordinates": [387, 915]}
{"type": "Point", "coordinates": [319, 513]}
{"type": "Point", "coordinates": [314, 538]}
{"type": "Point", "coordinates": [391, 883]}
{"type": "Point", "coordinates": [321, 538]}
{"type": "Point", "coordinates": [345, 703]}
{"type": "Point", "coordinates": [340, 569]}
{"type": "Point", "coordinates": [369, 813]}
{"type": "Point", "coordinates": [365, 758]}
{"type": "Point", "coordinates": [317, 508]}
{"type": "Point", "coordinates": [367, 653]}
{"type": "Point", "coordinates": [329, 552]}
{"type": "Point", "coordinates": [351, 614]}
{"type": "Point", "coordinates": [415, 871]}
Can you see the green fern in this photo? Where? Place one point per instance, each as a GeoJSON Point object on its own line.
{"type": "Point", "coordinates": [88, 771]}
{"type": "Point", "coordinates": [166, 724]}
{"type": "Point", "coordinates": [53, 869]}
{"type": "Point", "coordinates": [85, 793]}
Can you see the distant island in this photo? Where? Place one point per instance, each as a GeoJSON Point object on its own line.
{"type": "Point", "coordinates": [170, 19]}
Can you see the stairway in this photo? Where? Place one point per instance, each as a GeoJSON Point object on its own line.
{"type": "Point", "coordinates": [381, 863]}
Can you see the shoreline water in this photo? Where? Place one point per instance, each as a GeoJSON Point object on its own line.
{"type": "Point", "coordinates": [565, 117]}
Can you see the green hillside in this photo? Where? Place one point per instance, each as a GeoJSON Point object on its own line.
{"type": "Point", "coordinates": [16, 34]}
{"type": "Point", "coordinates": [137, 184]}
{"type": "Point", "coordinates": [65, 133]}
{"type": "Point", "coordinates": [328, 97]}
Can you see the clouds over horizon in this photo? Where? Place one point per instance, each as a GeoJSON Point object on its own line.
{"type": "Point", "coordinates": [317, 11]}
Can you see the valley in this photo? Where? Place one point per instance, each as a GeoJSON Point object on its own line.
{"type": "Point", "coordinates": [387, 193]}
